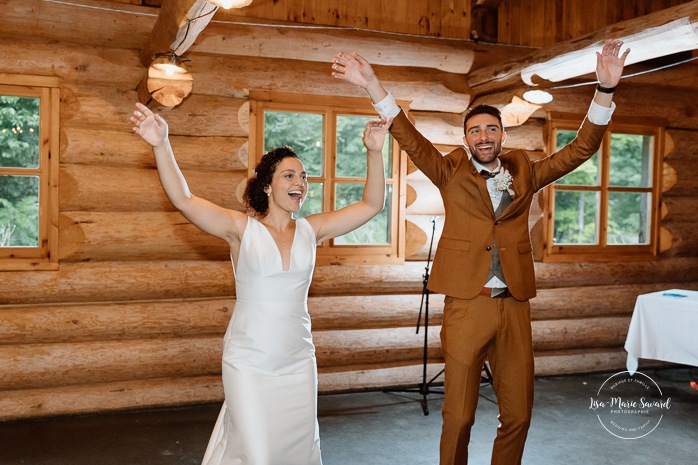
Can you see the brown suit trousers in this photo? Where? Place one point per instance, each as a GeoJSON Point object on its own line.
{"type": "Point", "coordinates": [498, 329]}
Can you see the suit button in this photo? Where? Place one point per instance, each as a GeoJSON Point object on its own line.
{"type": "Point", "coordinates": [489, 248]}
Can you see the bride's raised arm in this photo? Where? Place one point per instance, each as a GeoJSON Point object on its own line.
{"type": "Point", "coordinates": [333, 224]}
{"type": "Point", "coordinates": [207, 216]}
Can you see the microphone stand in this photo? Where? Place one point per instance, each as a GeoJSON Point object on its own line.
{"type": "Point", "coordinates": [424, 388]}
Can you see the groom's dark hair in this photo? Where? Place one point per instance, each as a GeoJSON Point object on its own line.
{"type": "Point", "coordinates": [483, 110]}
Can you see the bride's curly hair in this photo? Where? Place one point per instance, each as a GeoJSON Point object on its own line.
{"type": "Point", "coordinates": [254, 196]}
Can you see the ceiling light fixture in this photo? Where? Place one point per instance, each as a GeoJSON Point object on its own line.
{"type": "Point", "coordinates": [675, 36]}
{"type": "Point", "coordinates": [539, 97]}
{"type": "Point", "coordinates": [227, 4]}
{"type": "Point", "coordinates": [170, 63]}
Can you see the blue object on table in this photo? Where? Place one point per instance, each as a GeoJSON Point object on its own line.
{"type": "Point", "coordinates": [673, 294]}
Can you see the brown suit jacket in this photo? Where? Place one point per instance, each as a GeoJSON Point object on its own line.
{"type": "Point", "coordinates": [464, 252]}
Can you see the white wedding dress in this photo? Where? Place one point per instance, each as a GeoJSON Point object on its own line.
{"type": "Point", "coordinates": [269, 416]}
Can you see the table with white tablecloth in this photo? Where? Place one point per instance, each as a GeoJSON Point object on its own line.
{"type": "Point", "coordinates": [664, 326]}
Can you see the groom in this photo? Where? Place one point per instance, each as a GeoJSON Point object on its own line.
{"type": "Point", "coordinates": [483, 263]}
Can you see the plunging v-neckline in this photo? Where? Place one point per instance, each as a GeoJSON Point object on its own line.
{"type": "Point", "coordinates": [290, 249]}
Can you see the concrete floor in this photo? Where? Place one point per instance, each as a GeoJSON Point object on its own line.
{"type": "Point", "coordinates": [376, 428]}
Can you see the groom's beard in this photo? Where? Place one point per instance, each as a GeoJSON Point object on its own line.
{"type": "Point", "coordinates": [485, 156]}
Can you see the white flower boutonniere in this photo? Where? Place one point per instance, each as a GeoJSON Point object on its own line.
{"type": "Point", "coordinates": [504, 180]}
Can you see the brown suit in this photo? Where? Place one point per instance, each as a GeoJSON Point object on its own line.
{"type": "Point", "coordinates": [462, 258]}
{"type": "Point", "coordinates": [478, 327]}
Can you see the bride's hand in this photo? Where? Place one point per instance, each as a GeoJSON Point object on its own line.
{"type": "Point", "coordinates": [150, 126]}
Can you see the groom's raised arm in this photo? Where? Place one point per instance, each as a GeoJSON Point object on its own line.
{"type": "Point", "coordinates": [353, 68]}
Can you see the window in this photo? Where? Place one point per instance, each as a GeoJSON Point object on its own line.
{"type": "Point", "coordinates": [607, 208]}
{"type": "Point", "coordinates": [327, 138]}
{"type": "Point", "coordinates": [28, 172]}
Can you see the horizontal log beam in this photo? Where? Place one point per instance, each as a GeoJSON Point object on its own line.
{"type": "Point", "coordinates": [120, 189]}
{"type": "Point", "coordinates": [123, 236]}
{"type": "Point", "coordinates": [580, 333]}
{"type": "Point", "coordinates": [568, 362]}
{"type": "Point", "coordinates": [71, 323]}
{"type": "Point", "coordinates": [127, 281]}
{"type": "Point", "coordinates": [110, 108]}
{"type": "Point", "coordinates": [82, 146]}
{"type": "Point", "coordinates": [92, 67]}
{"type": "Point", "coordinates": [555, 275]}
{"type": "Point", "coordinates": [109, 397]}
{"type": "Point", "coordinates": [595, 301]}
{"type": "Point", "coordinates": [365, 347]}
{"type": "Point", "coordinates": [169, 392]}
{"type": "Point", "coordinates": [320, 44]}
{"type": "Point", "coordinates": [123, 24]}
{"type": "Point", "coordinates": [377, 377]}
{"type": "Point", "coordinates": [216, 75]}
{"type": "Point", "coordinates": [119, 281]}
{"type": "Point", "coordinates": [34, 366]}
{"type": "Point", "coordinates": [52, 323]}
{"type": "Point", "coordinates": [86, 64]}
{"type": "Point", "coordinates": [112, 321]}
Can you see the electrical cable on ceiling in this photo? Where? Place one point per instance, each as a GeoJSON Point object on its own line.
{"type": "Point", "coordinates": [192, 21]}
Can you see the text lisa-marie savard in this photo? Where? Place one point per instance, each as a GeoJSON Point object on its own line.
{"type": "Point", "coordinates": [633, 406]}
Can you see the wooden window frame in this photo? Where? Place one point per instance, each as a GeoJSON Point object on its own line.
{"type": "Point", "coordinates": [45, 255]}
{"type": "Point", "coordinates": [327, 252]}
{"type": "Point", "coordinates": [603, 252]}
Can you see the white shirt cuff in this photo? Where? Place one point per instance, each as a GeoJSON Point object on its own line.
{"type": "Point", "coordinates": [388, 107]}
{"type": "Point", "coordinates": [600, 115]}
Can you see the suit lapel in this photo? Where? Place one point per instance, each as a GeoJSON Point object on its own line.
{"type": "Point", "coordinates": [482, 187]}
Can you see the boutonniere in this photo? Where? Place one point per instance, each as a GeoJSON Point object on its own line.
{"type": "Point", "coordinates": [504, 180]}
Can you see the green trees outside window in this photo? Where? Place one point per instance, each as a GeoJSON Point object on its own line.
{"type": "Point", "coordinates": [608, 202]}
{"type": "Point", "coordinates": [19, 158]}
{"type": "Point", "coordinates": [344, 172]}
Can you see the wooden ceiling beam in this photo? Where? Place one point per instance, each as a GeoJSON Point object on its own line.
{"type": "Point", "coordinates": [321, 43]}
{"type": "Point", "coordinates": [665, 32]}
{"type": "Point", "coordinates": [304, 43]}
{"type": "Point", "coordinates": [177, 26]}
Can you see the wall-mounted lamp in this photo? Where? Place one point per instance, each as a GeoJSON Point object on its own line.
{"type": "Point", "coordinates": [169, 63]}
{"type": "Point", "coordinates": [227, 4]}
{"type": "Point", "coordinates": [538, 97]}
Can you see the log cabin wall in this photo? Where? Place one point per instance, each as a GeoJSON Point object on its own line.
{"type": "Point", "coordinates": [134, 316]}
